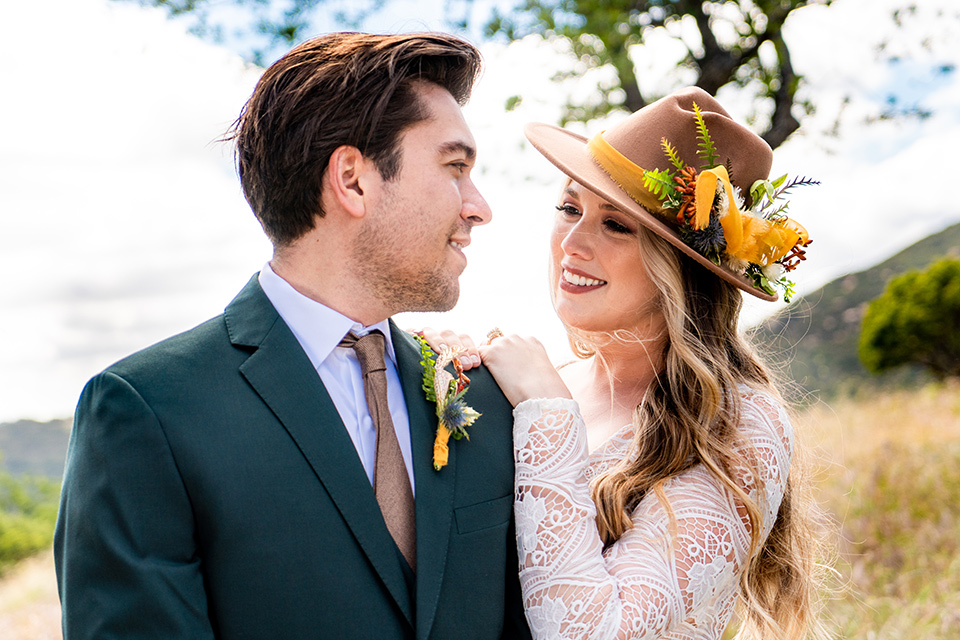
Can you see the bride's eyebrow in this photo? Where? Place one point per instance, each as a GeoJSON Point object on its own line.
{"type": "Point", "coordinates": [572, 189]}
{"type": "Point", "coordinates": [606, 206]}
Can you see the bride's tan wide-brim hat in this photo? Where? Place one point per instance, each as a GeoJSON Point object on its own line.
{"type": "Point", "coordinates": [638, 137]}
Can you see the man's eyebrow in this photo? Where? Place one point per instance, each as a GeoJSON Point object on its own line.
{"type": "Point", "coordinates": [457, 146]}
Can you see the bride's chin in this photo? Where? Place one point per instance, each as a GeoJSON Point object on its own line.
{"type": "Point", "coordinates": [575, 321]}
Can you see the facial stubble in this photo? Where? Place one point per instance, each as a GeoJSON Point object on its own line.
{"type": "Point", "coordinates": [393, 265]}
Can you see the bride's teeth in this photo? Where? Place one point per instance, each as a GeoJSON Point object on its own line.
{"type": "Point", "coordinates": [580, 281]}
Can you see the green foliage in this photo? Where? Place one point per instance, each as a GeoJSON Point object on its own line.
{"type": "Point", "coordinates": [601, 34]}
{"type": "Point", "coordinates": [266, 26]}
{"type": "Point", "coordinates": [428, 360]}
{"type": "Point", "coordinates": [660, 183]}
{"type": "Point", "coordinates": [28, 514]}
{"type": "Point", "coordinates": [705, 147]}
{"type": "Point", "coordinates": [513, 102]}
{"type": "Point", "coordinates": [915, 321]}
{"type": "Point", "coordinates": [672, 154]}
{"type": "Point", "coordinates": [766, 189]}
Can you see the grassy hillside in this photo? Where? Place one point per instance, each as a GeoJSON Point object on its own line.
{"type": "Point", "coordinates": [35, 448]}
{"type": "Point", "coordinates": [818, 334]}
{"type": "Point", "coordinates": [31, 465]}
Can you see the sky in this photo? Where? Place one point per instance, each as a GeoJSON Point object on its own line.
{"type": "Point", "coordinates": [122, 221]}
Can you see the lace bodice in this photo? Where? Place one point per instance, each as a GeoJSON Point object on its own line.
{"type": "Point", "coordinates": [658, 580]}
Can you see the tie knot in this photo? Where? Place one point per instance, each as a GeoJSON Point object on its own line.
{"type": "Point", "coordinates": [369, 349]}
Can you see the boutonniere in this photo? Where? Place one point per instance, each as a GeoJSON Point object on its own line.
{"type": "Point", "coordinates": [447, 391]}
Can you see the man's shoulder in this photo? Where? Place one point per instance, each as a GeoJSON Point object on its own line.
{"type": "Point", "coordinates": [208, 343]}
{"type": "Point", "coordinates": [181, 350]}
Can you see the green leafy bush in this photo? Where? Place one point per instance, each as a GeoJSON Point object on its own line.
{"type": "Point", "coordinates": [916, 321]}
{"type": "Point", "coordinates": [28, 514]}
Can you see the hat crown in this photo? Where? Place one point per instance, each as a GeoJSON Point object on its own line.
{"type": "Point", "coordinates": [672, 118]}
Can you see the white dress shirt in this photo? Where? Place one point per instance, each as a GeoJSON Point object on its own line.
{"type": "Point", "coordinates": [319, 330]}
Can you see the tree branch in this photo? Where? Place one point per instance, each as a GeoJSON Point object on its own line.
{"type": "Point", "coordinates": [782, 122]}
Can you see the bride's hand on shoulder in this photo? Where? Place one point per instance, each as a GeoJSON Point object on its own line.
{"type": "Point", "coordinates": [522, 368]}
{"type": "Point", "coordinates": [440, 338]}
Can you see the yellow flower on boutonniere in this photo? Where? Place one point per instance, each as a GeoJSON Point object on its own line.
{"type": "Point", "coordinates": [447, 391]}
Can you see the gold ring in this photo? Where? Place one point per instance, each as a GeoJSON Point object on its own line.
{"type": "Point", "coordinates": [493, 334]}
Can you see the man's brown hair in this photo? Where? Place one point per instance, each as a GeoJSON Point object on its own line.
{"type": "Point", "coordinates": [338, 89]}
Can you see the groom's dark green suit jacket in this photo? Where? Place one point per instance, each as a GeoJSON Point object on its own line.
{"type": "Point", "coordinates": [211, 491]}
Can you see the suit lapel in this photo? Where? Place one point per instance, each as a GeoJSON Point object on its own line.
{"type": "Point", "coordinates": [434, 496]}
{"type": "Point", "coordinates": [286, 381]}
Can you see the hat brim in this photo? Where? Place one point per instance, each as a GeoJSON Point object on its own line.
{"type": "Point", "coordinates": [568, 152]}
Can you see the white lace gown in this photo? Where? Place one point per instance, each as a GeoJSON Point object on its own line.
{"type": "Point", "coordinates": [657, 580]}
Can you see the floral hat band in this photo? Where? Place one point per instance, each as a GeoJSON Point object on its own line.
{"type": "Point", "coordinates": [746, 237]}
{"type": "Point", "coordinates": [686, 170]}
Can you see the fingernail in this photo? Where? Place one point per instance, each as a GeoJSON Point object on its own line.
{"type": "Point", "coordinates": [475, 360]}
{"type": "Point", "coordinates": [465, 360]}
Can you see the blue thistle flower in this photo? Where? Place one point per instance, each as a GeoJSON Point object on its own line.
{"type": "Point", "coordinates": [708, 241]}
{"type": "Point", "coordinates": [457, 416]}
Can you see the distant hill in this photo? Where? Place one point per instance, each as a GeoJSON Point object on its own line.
{"type": "Point", "coordinates": [818, 334]}
{"type": "Point", "coordinates": [37, 448]}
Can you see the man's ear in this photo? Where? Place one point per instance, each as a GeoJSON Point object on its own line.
{"type": "Point", "coordinates": [345, 173]}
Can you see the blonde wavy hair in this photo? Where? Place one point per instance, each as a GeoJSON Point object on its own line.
{"type": "Point", "coordinates": [689, 416]}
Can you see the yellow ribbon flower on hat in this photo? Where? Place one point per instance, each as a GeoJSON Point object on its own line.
{"type": "Point", "coordinates": [706, 192]}
{"type": "Point", "coordinates": [748, 237]}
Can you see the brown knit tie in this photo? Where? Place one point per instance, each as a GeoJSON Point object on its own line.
{"type": "Point", "coordinates": [391, 484]}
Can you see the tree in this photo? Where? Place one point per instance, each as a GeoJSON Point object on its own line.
{"type": "Point", "coordinates": [726, 42]}
{"type": "Point", "coordinates": [916, 321]}
{"type": "Point", "coordinates": [740, 42]}
{"type": "Point", "coordinates": [264, 29]}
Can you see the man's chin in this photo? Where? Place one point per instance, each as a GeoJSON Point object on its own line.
{"type": "Point", "coordinates": [442, 298]}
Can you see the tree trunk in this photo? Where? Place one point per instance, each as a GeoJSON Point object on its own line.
{"type": "Point", "coordinates": [782, 122]}
{"type": "Point", "coordinates": [627, 75]}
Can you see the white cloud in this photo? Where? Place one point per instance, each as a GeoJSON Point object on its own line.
{"type": "Point", "coordinates": [120, 222]}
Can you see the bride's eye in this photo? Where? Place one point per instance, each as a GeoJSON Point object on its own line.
{"type": "Point", "coordinates": [568, 210]}
{"type": "Point", "coordinates": [616, 227]}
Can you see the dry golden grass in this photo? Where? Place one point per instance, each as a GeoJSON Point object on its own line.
{"type": "Point", "coordinates": [29, 606]}
{"type": "Point", "coordinates": [889, 472]}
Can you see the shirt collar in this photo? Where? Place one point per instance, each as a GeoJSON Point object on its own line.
{"type": "Point", "coordinates": [317, 327]}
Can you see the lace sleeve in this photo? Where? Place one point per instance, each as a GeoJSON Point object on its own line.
{"type": "Point", "coordinates": [663, 578]}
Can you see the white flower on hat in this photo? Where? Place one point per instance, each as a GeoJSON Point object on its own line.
{"type": "Point", "coordinates": [736, 265]}
{"type": "Point", "coordinates": [773, 271]}
{"type": "Point", "coordinates": [724, 199]}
